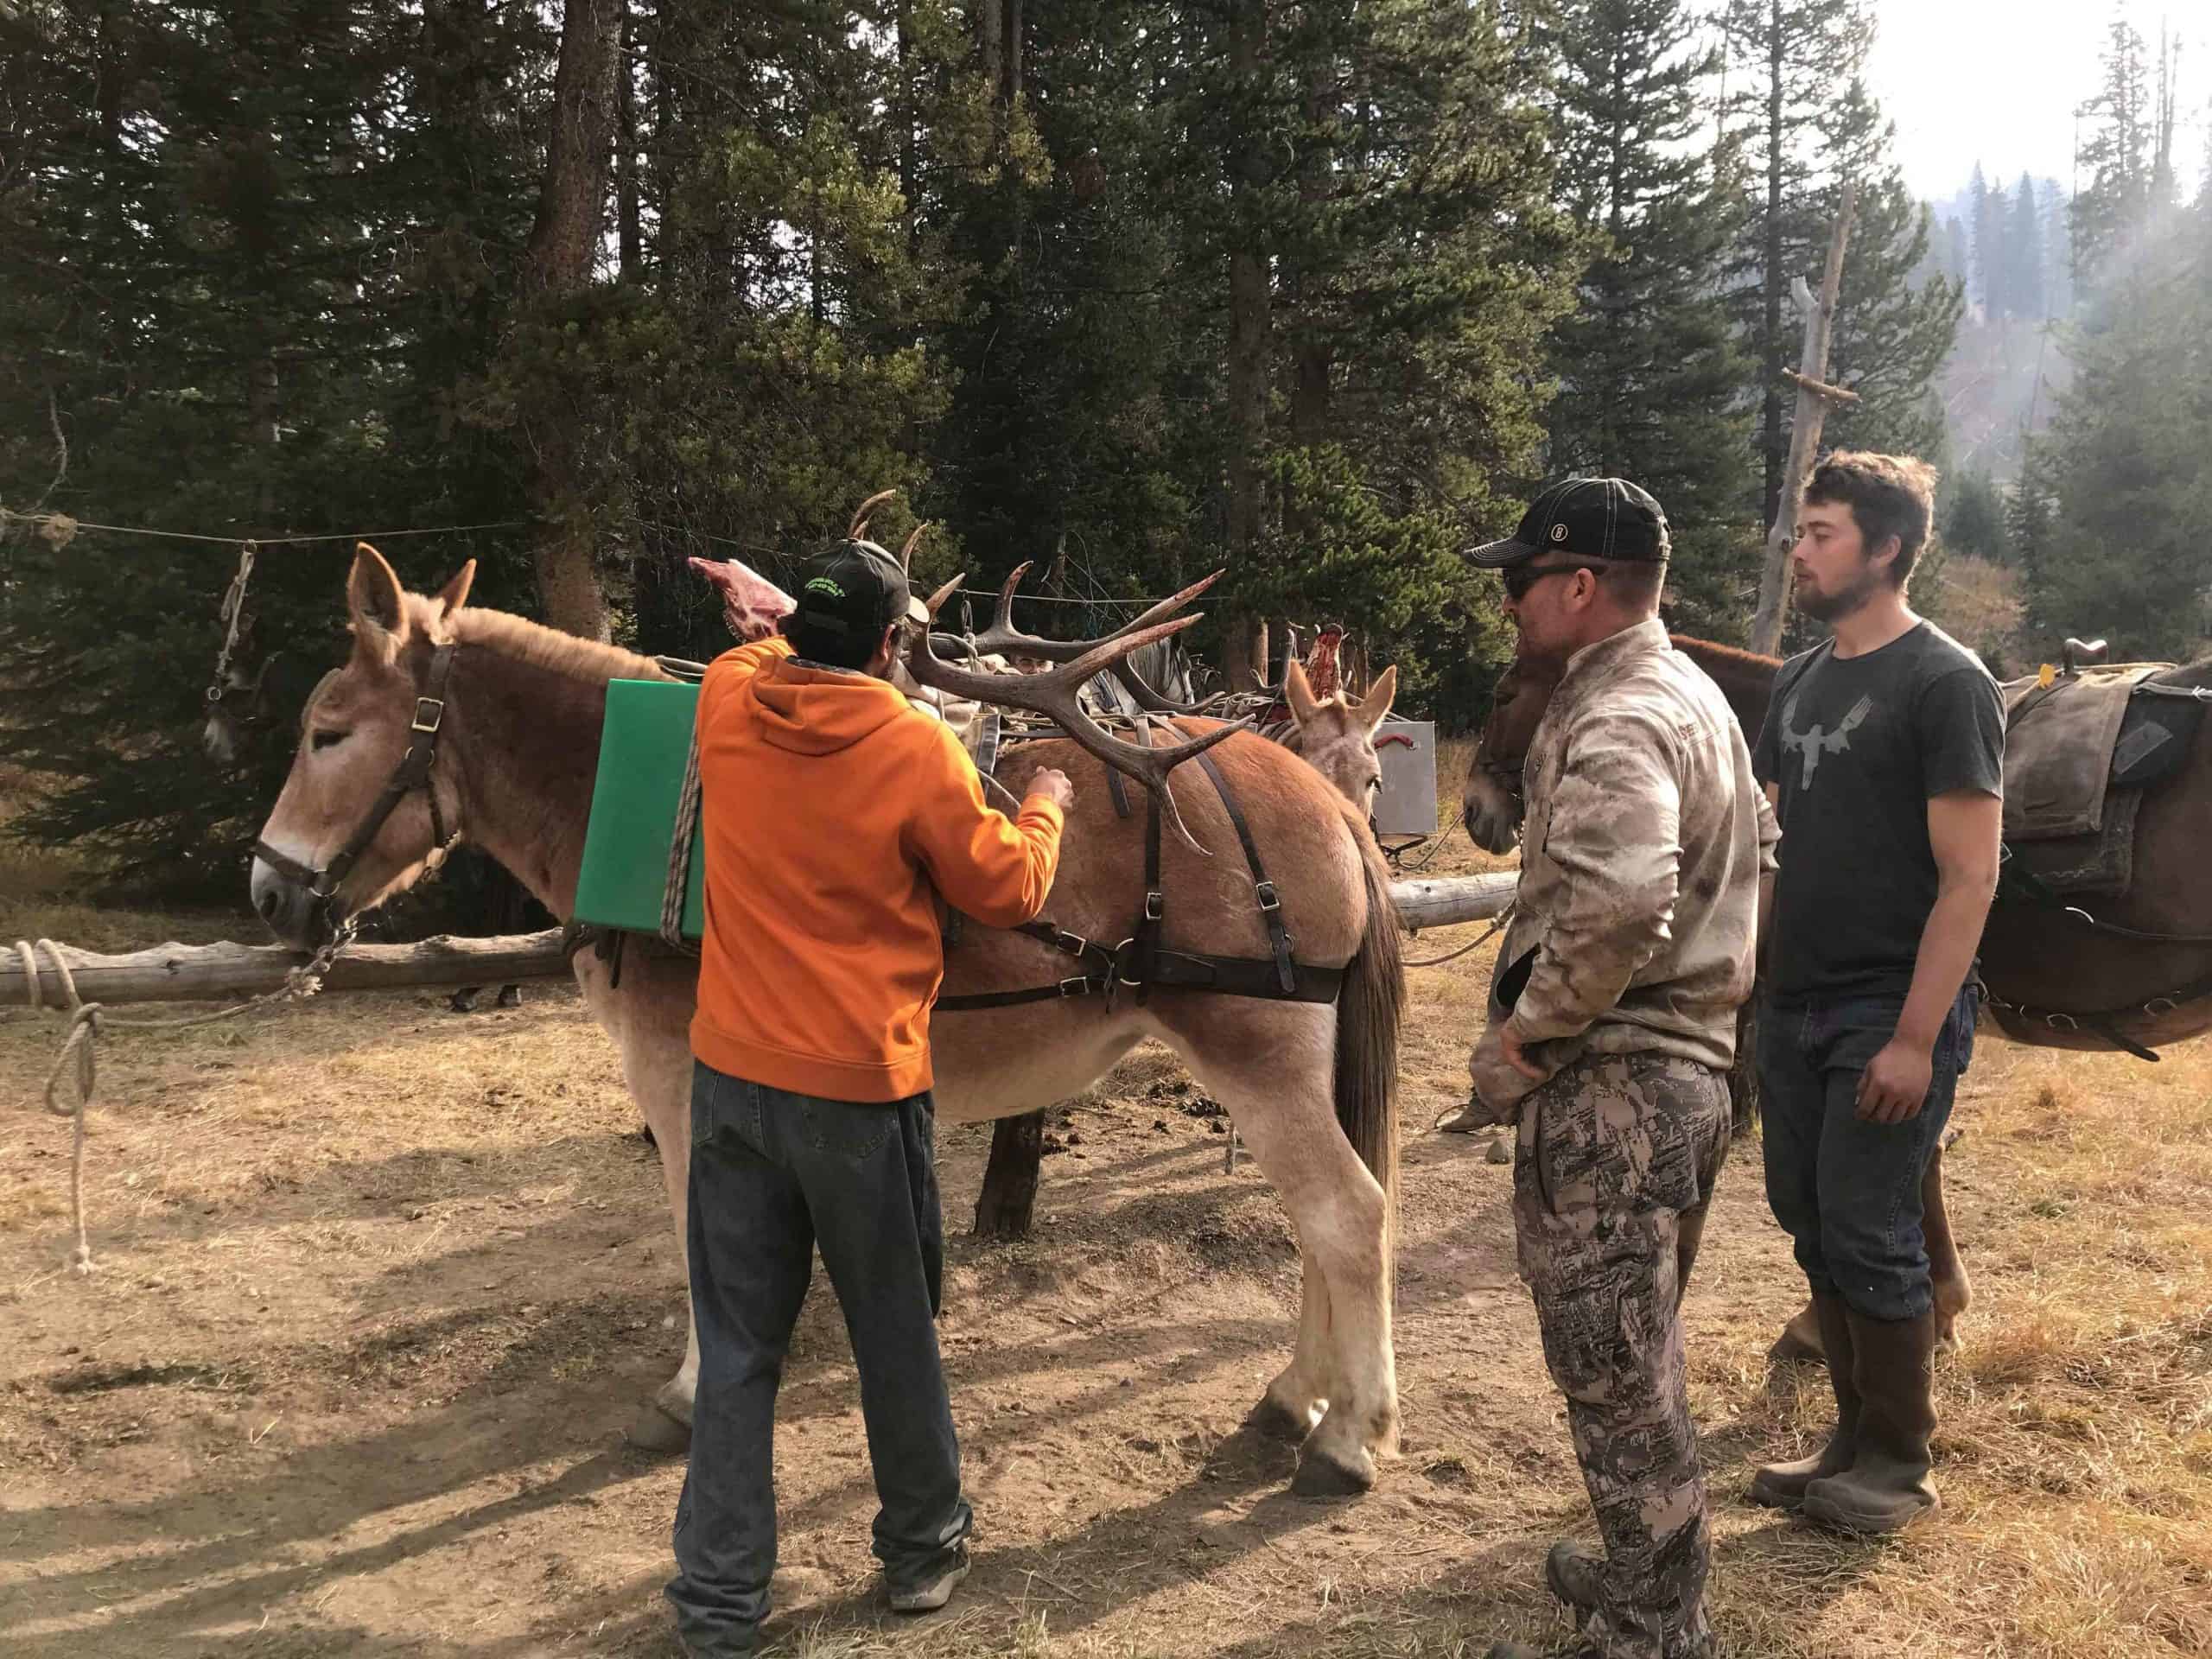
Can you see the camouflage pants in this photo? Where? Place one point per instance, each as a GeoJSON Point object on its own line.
{"type": "Point", "coordinates": [1614, 1152]}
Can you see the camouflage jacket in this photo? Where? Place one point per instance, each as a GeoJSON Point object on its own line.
{"type": "Point", "coordinates": [1641, 852]}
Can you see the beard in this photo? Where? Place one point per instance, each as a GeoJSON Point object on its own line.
{"type": "Point", "coordinates": [1833, 607]}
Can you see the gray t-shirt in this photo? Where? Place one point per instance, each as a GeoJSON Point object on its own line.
{"type": "Point", "coordinates": [1857, 747]}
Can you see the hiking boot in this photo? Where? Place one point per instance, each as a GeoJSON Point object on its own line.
{"type": "Point", "coordinates": [1886, 1489]}
{"type": "Point", "coordinates": [935, 1590]}
{"type": "Point", "coordinates": [1573, 1575]}
{"type": "Point", "coordinates": [1782, 1485]}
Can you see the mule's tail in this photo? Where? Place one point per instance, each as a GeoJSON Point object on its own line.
{"type": "Point", "coordinates": [1368, 1009]}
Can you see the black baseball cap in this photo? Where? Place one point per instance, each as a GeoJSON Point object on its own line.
{"type": "Point", "coordinates": [1589, 518]}
{"type": "Point", "coordinates": [854, 587]}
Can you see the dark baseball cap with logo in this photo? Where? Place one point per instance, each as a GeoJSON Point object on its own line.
{"type": "Point", "coordinates": [853, 592]}
{"type": "Point", "coordinates": [1588, 517]}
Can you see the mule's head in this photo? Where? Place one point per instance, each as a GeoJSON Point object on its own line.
{"type": "Point", "coordinates": [355, 733]}
{"type": "Point", "coordinates": [1336, 736]}
{"type": "Point", "coordinates": [1491, 806]}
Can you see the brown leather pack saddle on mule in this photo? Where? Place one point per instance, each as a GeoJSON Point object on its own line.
{"type": "Point", "coordinates": [2085, 745]}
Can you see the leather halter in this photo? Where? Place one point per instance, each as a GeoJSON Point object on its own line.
{"type": "Point", "coordinates": [413, 773]}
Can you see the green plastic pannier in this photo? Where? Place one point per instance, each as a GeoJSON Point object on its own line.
{"type": "Point", "coordinates": [641, 755]}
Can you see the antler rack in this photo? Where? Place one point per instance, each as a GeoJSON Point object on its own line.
{"type": "Point", "coordinates": [1005, 640]}
{"type": "Point", "coordinates": [1053, 694]}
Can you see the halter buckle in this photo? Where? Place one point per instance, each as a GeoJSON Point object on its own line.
{"type": "Point", "coordinates": [429, 712]}
{"type": "Point", "coordinates": [1155, 905]}
{"type": "Point", "coordinates": [1077, 986]}
{"type": "Point", "coordinates": [1268, 900]}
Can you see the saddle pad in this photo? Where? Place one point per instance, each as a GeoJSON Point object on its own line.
{"type": "Point", "coordinates": [2059, 740]}
{"type": "Point", "coordinates": [2154, 740]}
{"type": "Point", "coordinates": [2101, 864]}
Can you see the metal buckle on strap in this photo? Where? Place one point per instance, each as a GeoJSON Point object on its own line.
{"type": "Point", "coordinates": [429, 722]}
{"type": "Point", "coordinates": [1266, 890]}
{"type": "Point", "coordinates": [1124, 959]}
{"type": "Point", "coordinates": [1073, 944]}
{"type": "Point", "coordinates": [1154, 903]}
{"type": "Point", "coordinates": [1078, 986]}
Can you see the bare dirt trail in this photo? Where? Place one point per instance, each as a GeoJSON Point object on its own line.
{"type": "Point", "coordinates": [379, 1285]}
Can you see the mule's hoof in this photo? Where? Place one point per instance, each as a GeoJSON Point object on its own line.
{"type": "Point", "coordinates": [1798, 1344]}
{"type": "Point", "coordinates": [1272, 1421]}
{"type": "Point", "coordinates": [655, 1431]}
{"type": "Point", "coordinates": [1320, 1475]}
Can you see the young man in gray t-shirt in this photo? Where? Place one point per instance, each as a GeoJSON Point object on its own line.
{"type": "Point", "coordinates": [1883, 752]}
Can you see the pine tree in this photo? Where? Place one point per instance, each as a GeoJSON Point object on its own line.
{"type": "Point", "coordinates": [2115, 153]}
{"type": "Point", "coordinates": [2127, 456]}
{"type": "Point", "coordinates": [1891, 341]}
{"type": "Point", "coordinates": [1785, 58]}
{"type": "Point", "coordinates": [2057, 260]}
{"type": "Point", "coordinates": [217, 265]}
{"type": "Point", "coordinates": [1984, 207]}
{"type": "Point", "coordinates": [1970, 516]}
{"type": "Point", "coordinates": [2023, 250]}
{"type": "Point", "coordinates": [1649, 375]}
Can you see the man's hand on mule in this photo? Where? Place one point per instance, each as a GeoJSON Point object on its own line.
{"type": "Point", "coordinates": [1050, 784]}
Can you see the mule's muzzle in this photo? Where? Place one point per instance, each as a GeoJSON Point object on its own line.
{"type": "Point", "coordinates": [1492, 815]}
{"type": "Point", "coordinates": [294, 913]}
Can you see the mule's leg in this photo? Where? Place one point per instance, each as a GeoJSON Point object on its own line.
{"type": "Point", "coordinates": [1800, 1337]}
{"type": "Point", "coordinates": [1295, 1401]}
{"type": "Point", "coordinates": [1273, 1067]}
{"type": "Point", "coordinates": [1946, 1269]}
{"type": "Point", "coordinates": [648, 1019]}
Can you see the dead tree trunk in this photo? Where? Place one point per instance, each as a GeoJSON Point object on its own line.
{"type": "Point", "coordinates": [557, 264]}
{"type": "Point", "coordinates": [1813, 396]}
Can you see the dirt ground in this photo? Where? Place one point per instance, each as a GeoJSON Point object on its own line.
{"type": "Point", "coordinates": [379, 1284]}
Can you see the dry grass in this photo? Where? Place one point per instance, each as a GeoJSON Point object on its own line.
{"type": "Point", "coordinates": [379, 1282]}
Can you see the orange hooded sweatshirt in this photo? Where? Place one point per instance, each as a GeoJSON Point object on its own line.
{"type": "Point", "coordinates": [835, 813]}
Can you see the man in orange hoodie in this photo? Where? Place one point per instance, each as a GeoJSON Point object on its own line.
{"type": "Point", "coordinates": [836, 814]}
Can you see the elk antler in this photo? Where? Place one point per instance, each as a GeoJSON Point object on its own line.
{"type": "Point", "coordinates": [1053, 695]}
{"type": "Point", "coordinates": [1005, 640]}
{"type": "Point", "coordinates": [906, 553]}
{"type": "Point", "coordinates": [861, 512]}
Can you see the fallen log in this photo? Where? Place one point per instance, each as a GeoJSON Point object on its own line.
{"type": "Point", "coordinates": [225, 972]}
{"type": "Point", "coordinates": [1443, 899]}
{"type": "Point", "coordinates": [222, 973]}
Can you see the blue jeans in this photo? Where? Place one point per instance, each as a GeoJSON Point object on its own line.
{"type": "Point", "coordinates": [1848, 1191]}
{"type": "Point", "coordinates": [773, 1175]}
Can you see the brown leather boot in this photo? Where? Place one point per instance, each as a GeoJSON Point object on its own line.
{"type": "Point", "coordinates": [1886, 1489]}
{"type": "Point", "coordinates": [1782, 1485]}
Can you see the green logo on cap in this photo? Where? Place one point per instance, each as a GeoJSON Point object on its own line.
{"type": "Point", "coordinates": [823, 585]}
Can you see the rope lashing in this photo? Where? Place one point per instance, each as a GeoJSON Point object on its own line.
{"type": "Point", "coordinates": [77, 1064]}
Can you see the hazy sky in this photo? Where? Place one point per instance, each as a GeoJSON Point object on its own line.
{"type": "Point", "coordinates": [1996, 81]}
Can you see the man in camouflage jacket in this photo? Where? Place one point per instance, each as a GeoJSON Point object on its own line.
{"type": "Point", "coordinates": [1610, 1028]}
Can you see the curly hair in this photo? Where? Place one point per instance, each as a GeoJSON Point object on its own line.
{"type": "Point", "coordinates": [1888, 495]}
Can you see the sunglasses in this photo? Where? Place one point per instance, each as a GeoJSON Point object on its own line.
{"type": "Point", "coordinates": [1520, 578]}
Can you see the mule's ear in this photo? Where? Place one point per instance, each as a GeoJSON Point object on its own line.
{"type": "Point", "coordinates": [1379, 694]}
{"type": "Point", "coordinates": [455, 594]}
{"type": "Point", "coordinates": [372, 597]}
{"type": "Point", "coordinates": [1299, 691]}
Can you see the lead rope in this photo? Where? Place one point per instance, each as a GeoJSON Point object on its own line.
{"type": "Point", "coordinates": [232, 615]}
{"type": "Point", "coordinates": [677, 886]}
{"type": "Point", "coordinates": [80, 1044]}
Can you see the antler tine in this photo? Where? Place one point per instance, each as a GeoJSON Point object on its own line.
{"type": "Point", "coordinates": [1053, 695]}
{"type": "Point", "coordinates": [861, 512]}
{"type": "Point", "coordinates": [906, 553]}
{"type": "Point", "coordinates": [1008, 641]}
{"type": "Point", "coordinates": [936, 600]}
{"type": "Point", "coordinates": [1152, 702]}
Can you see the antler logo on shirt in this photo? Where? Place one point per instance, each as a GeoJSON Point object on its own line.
{"type": "Point", "coordinates": [1817, 741]}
